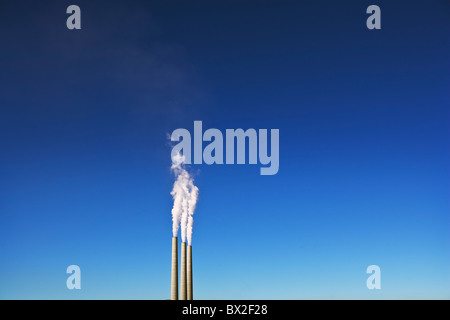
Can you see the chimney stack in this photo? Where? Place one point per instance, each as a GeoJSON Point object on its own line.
{"type": "Point", "coordinates": [174, 280]}
{"type": "Point", "coordinates": [183, 287]}
{"type": "Point", "coordinates": [189, 273]}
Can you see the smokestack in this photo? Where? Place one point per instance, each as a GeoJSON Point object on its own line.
{"type": "Point", "coordinates": [174, 280]}
{"type": "Point", "coordinates": [183, 272]}
{"type": "Point", "coordinates": [189, 273]}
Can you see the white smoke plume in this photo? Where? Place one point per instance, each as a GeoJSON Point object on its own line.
{"type": "Point", "coordinates": [185, 195]}
{"type": "Point", "coordinates": [192, 203]}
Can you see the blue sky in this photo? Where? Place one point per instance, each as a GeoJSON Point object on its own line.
{"type": "Point", "coordinates": [364, 150]}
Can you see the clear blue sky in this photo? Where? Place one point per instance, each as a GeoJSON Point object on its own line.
{"type": "Point", "coordinates": [364, 147]}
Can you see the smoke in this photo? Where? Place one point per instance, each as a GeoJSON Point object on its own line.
{"type": "Point", "coordinates": [185, 195]}
{"type": "Point", "coordinates": [192, 203]}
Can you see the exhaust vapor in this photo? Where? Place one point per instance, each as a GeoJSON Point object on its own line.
{"type": "Point", "coordinates": [185, 195]}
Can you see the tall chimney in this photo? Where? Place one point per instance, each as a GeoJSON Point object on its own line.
{"type": "Point", "coordinates": [183, 272]}
{"type": "Point", "coordinates": [174, 280]}
{"type": "Point", "coordinates": [189, 273]}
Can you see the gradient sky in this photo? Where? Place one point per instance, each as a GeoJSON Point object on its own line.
{"type": "Point", "coordinates": [364, 148]}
